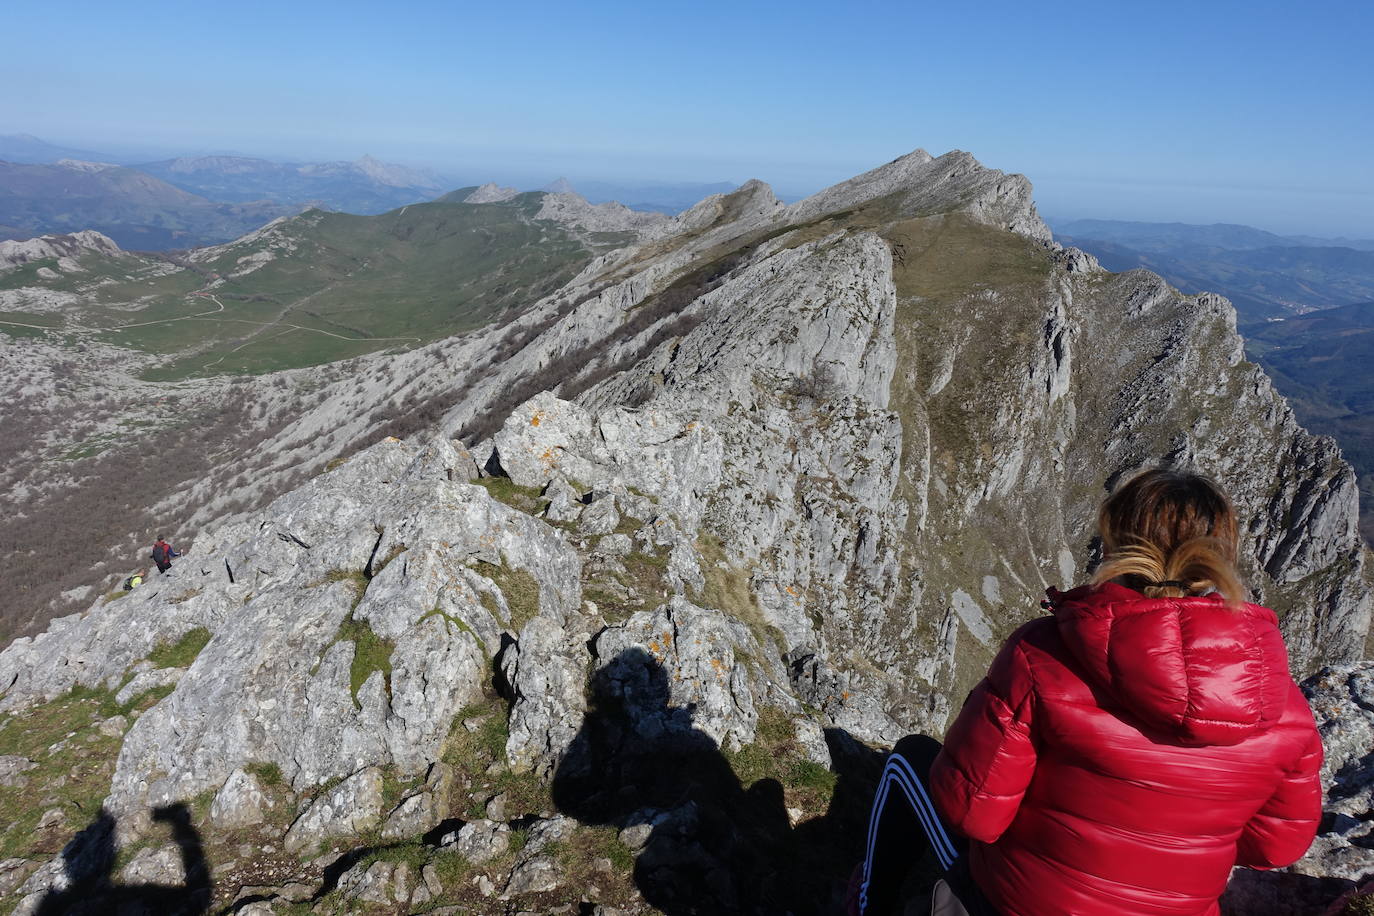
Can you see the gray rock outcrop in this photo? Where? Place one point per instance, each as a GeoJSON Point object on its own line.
{"type": "Point", "coordinates": [490, 193]}
{"type": "Point", "coordinates": [350, 807]}
{"type": "Point", "coordinates": [64, 248]}
{"type": "Point", "coordinates": [240, 802]}
{"type": "Point", "coordinates": [807, 465]}
{"type": "Point", "coordinates": [574, 210]}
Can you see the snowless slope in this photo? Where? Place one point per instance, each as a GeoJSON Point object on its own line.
{"type": "Point", "coordinates": [680, 546]}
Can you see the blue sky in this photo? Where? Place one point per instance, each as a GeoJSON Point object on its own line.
{"type": "Point", "coordinates": [1260, 113]}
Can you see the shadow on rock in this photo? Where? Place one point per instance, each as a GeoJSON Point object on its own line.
{"type": "Point", "coordinates": [705, 843]}
{"type": "Point", "coordinates": [89, 861]}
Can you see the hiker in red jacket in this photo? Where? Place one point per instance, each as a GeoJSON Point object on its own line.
{"type": "Point", "coordinates": [1122, 755]}
{"type": "Point", "coordinates": [163, 554]}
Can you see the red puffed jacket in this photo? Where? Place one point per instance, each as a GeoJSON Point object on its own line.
{"type": "Point", "coordinates": [1121, 756]}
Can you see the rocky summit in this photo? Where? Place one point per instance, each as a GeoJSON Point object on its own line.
{"type": "Point", "coordinates": [680, 549]}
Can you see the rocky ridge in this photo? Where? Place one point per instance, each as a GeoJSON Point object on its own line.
{"type": "Point", "coordinates": [776, 474]}
{"type": "Point", "coordinates": [572, 208]}
{"type": "Point", "coordinates": [62, 247]}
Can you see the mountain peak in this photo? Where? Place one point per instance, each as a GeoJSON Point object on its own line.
{"type": "Point", "coordinates": [396, 176]}
{"type": "Point", "coordinates": [559, 186]}
{"type": "Point", "coordinates": [490, 193]}
{"type": "Point", "coordinates": [82, 165]}
{"type": "Point", "coordinates": [928, 185]}
{"type": "Point", "coordinates": [62, 247]}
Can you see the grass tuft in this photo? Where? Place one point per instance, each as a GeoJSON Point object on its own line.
{"type": "Point", "coordinates": [1359, 905]}
{"type": "Point", "coordinates": [370, 653]}
{"type": "Point", "coordinates": [449, 620]}
{"type": "Point", "coordinates": [269, 774]}
{"type": "Point", "coordinates": [727, 588]}
{"type": "Point", "coordinates": [775, 755]}
{"type": "Point", "coordinates": [505, 490]}
{"type": "Point", "coordinates": [183, 652]}
{"type": "Point", "coordinates": [518, 587]}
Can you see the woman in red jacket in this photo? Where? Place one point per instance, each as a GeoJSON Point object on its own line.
{"type": "Point", "coordinates": [1122, 755]}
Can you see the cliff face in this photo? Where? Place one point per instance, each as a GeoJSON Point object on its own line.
{"type": "Point", "coordinates": [773, 480]}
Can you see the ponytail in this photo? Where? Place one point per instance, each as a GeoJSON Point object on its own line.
{"type": "Point", "coordinates": [1195, 567]}
{"type": "Point", "coordinates": [1169, 534]}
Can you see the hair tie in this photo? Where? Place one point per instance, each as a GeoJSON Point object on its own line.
{"type": "Point", "coordinates": [1171, 583]}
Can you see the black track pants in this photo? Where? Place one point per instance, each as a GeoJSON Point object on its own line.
{"type": "Point", "coordinates": [903, 823]}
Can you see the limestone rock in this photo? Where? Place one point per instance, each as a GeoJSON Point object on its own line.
{"type": "Point", "coordinates": [12, 768]}
{"type": "Point", "coordinates": [14, 253]}
{"type": "Point", "coordinates": [535, 874]}
{"type": "Point", "coordinates": [697, 655]}
{"type": "Point", "coordinates": [352, 806]}
{"type": "Point", "coordinates": [113, 727]}
{"type": "Point", "coordinates": [600, 517]}
{"type": "Point", "coordinates": [13, 872]}
{"type": "Point", "coordinates": [573, 209]}
{"type": "Point", "coordinates": [274, 685]}
{"type": "Point", "coordinates": [1342, 700]}
{"type": "Point", "coordinates": [149, 679]}
{"type": "Point", "coordinates": [424, 809]}
{"type": "Point", "coordinates": [548, 830]}
{"type": "Point", "coordinates": [854, 438]}
{"type": "Point", "coordinates": [481, 840]}
{"type": "Point", "coordinates": [443, 459]}
{"type": "Point", "coordinates": [615, 545]}
{"type": "Point", "coordinates": [240, 802]}
{"type": "Point", "coordinates": [546, 671]}
{"type": "Point", "coordinates": [1276, 893]}
{"type": "Point", "coordinates": [161, 865]}
{"type": "Point", "coordinates": [565, 503]}
{"type": "Point", "coordinates": [378, 882]}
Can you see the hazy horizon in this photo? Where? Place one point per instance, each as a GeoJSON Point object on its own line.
{"type": "Point", "coordinates": [1250, 114]}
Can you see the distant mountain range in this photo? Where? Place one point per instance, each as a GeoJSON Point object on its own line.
{"type": "Point", "coordinates": [27, 148]}
{"type": "Point", "coordinates": [190, 201]}
{"type": "Point", "coordinates": [1167, 237]}
{"type": "Point", "coordinates": [135, 209]}
{"type": "Point", "coordinates": [366, 186]}
{"type": "Point", "coordinates": [187, 201]}
{"type": "Point", "coordinates": [1263, 274]}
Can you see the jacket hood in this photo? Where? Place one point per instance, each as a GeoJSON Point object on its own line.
{"type": "Point", "coordinates": [1204, 673]}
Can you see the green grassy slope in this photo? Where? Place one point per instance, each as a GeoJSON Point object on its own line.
{"type": "Point", "coordinates": [335, 285]}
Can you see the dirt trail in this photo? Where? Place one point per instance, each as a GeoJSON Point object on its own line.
{"type": "Point", "coordinates": [202, 316]}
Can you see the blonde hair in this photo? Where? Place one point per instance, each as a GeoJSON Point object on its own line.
{"type": "Point", "coordinates": [1170, 534]}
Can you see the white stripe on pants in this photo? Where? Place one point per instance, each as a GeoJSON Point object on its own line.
{"type": "Point", "coordinates": [898, 773]}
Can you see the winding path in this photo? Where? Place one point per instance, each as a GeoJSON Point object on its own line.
{"type": "Point", "coordinates": [201, 316]}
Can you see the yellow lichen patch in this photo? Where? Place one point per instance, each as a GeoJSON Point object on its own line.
{"type": "Point", "coordinates": [537, 418]}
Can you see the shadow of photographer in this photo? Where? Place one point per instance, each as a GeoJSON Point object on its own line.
{"type": "Point", "coordinates": [89, 861]}
{"type": "Point", "coordinates": [709, 843]}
